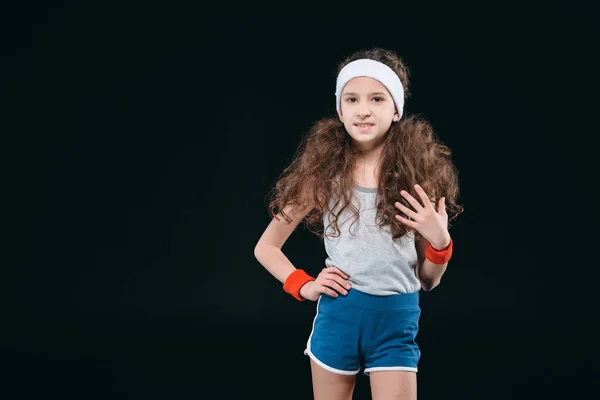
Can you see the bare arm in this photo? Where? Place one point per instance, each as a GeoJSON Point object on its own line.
{"type": "Point", "coordinates": [268, 252]}
{"type": "Point", "coordinates": [268, 249]}
{"type": "Point", "coordinates": [428, 273]}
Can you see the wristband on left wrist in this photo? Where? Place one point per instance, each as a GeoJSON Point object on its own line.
{"type": "Point", "coordinates": [441, 256]}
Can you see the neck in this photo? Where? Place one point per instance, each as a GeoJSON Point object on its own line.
{"type": "Point", "coordinates": [370, 158]}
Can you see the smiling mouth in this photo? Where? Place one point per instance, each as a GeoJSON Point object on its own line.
{"type": "Point", "coordinates": [364, 127]}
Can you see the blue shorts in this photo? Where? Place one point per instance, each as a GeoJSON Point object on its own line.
{"type": "Point", "coordinates": [363, 330]}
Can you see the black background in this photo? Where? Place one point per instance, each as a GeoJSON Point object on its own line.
{"type": "Point", "coordinates": [141, 141]}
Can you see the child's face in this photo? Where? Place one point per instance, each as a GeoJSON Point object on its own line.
{"type": "Point", "coordinates": [367, 111]}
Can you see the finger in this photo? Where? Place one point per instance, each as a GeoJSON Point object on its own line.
{"type": "Point", "coordinates": [326, 290]}
{"type": "Point", "coordinates": [411, 200]}
{"type": "Point", "coordinates": [406, 210]}
{"type": "Point", "coordinates": [423, 196]}
{"type": "Point", "coordinates": [335, 286]}
{"type": "Point", "coordinates": [338, 271]}
{"type": "Point", "coordinates": [442, 206]}
{"type": "Point", "coordinates": [405, 221]}
{"type": "Point", "coordinates": [341, 281]}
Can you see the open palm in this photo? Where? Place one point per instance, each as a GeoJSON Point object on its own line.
{"type": "Point", "coordinates": [431, 224]}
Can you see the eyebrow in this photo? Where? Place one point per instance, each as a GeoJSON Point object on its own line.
{"type": "Point", "coordinates": [372, 94]}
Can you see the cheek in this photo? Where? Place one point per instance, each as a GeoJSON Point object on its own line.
{"type": "Point", "coordinates": [388, 115]}
{"type": "Point", "coordinates": [348, 126]}
{"type": "Point", "coordinates": [346, 109]}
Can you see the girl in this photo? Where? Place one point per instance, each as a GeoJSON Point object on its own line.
{"type": "Point", "coordinates": [382, 187]}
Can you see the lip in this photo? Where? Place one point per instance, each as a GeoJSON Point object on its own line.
{"type": "Point", "coordinates": [365, 128]}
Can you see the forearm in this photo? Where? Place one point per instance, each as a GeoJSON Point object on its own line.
{"type": "Point", "coordinates": [274, 261]}
{"type": "Point", "coordinates": [430, 274]}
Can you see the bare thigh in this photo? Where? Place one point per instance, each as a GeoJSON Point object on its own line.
{"type": "Point", "coordinates": [328, 385]}
{"type": "Point", "coordinates": [393, 385]}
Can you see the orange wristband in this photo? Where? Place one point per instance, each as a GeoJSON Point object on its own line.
{"type": "Point", "coordinates": [439, 256]}
{"type": "Point", "coordinates": [295, 281]}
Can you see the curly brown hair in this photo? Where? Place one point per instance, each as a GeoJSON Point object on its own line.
{"type": "Point", "coordinates": [325, 160]}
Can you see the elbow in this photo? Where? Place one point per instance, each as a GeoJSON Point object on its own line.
{"type": "Point", "coordinates": [429, 285]}
{"type": "Point", "coordinates": [259, 250]}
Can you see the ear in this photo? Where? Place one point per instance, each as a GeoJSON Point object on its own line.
{"type": "Point", "coordinates": [396, 117]}
{"type": "Point", "coordinates": [340, 116]}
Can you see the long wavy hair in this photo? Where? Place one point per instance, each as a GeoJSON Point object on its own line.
{"type": "Point", "coordinates": [322, 167]}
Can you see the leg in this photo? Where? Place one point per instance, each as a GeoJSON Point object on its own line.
{"type": "Point", "coordinates": [333, 348]}
{"type": "Point", "coordinates": [393, 385]}
{"type": "Point", "coordinates": [329, 385]}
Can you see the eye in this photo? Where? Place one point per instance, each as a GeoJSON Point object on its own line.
{"type": "Point", "coordinates": [350, 99]}
{"type": "Point", "coordinates": [378, 99]}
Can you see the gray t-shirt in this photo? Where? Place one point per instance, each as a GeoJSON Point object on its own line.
{"type": "Point", "coordinates": [376, 263]}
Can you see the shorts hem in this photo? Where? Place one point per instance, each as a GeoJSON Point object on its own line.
{"type": "Point", "coordinates": [374, 369]}
{"type": "Point", "coordinates": [327, 367]}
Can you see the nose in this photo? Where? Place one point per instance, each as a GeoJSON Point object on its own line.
{"type": "Point", "coordinates": [362, 111]}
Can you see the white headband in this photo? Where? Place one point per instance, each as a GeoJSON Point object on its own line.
{"type": "Point", "coordinates": [372, 69]}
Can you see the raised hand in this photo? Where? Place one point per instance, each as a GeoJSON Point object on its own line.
{"type": "Point", "coordinates": [431, 224]}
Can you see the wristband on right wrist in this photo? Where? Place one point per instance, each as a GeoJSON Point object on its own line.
{"type": "Point", "coordinates": [295, 281]}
